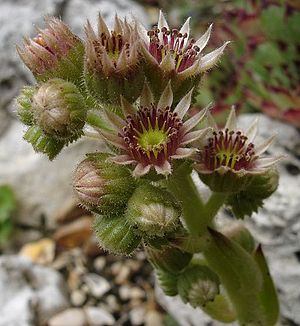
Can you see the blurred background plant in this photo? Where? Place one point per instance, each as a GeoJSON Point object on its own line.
{"type": "Point", "coordinates": [7, 208]}
{"type": "Point", "coordinates": [261, 71]}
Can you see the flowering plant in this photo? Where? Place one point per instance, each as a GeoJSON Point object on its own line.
{"type": "Point", "coordinates": [133, 89]}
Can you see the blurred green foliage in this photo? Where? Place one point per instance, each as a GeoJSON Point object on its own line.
{"type": "Point", "coordinates": [7, 207]}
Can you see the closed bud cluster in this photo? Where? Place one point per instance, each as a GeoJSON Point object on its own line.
{"type": "Point", "coordinates": [103, 187]}
{"type": "Point", "coordinates": [153, 211]}
{"type": "Point", "coordinates": [115, 234]}
{"type": "Point", "coordinates": [198, 285]}
{"type": "Point", "coordinates": [54, 52]}
{"type": "Point", "coordinates": [112, 62]}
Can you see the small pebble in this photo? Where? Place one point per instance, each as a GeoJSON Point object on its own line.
{"type": "Point", "coordinates": [97, 317]}
{"type": "Point", "coordinates": [123, 274]}
{"type": "Point", "coordinates": [153, 318]}
{"type": "Point", "coordinates": [78, 298]}
{"type": "Point", "coordinates": [124, 292]}
{"type": "Point", "coordinates": [72, 316]}
{"type": "Point", "coordinates": [137, 315]}
{"type": "Point", "coordinates": [99, 263]}
{"type": "Point", "coordinates": [96, 284]}
{"type": "Point", "coordinates": [137, 293]}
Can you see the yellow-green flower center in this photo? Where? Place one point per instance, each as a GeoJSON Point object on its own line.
{"type": "Point", "coordinates": [151, 139]}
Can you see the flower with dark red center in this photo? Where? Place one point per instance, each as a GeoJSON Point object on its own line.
{"type": "Point", "coordinates": [113, 55]}
{"type": "Point", "coordinates": [229, 157]}
{"type": "Point", "coordinates": [154, 135]}
{"type": "Point", "coordinates": [175, 55]}
{"type": "Point", "coordinates": [54, 52]}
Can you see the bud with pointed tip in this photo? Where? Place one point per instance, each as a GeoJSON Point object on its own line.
{"type": "Point", "coordinates": [153, 211]}
{"type": "Point", "coordinates": [115, 234]}
{"type": "Point", "coordinates": [54, 52]}
{"type": "Point", "coordinates": [112, 62]}
{"type": "Point", "coordinates": [168, 259]}
{"type": "Point", "coordinates": [228, 160]}
{"type": "Point", "coordinates": [102, 186]}
{"type": "Point", "coordinates": [170, 54]}
{"type": "Point", "coordinates": [198, 285]}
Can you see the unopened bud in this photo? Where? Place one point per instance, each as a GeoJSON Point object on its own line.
{"type": "Point", "coordinates": [59, 109]}
{"type": "Point", "coordinates": [102, 186]}
{"type": "Point", "coordinates": [153, 210]}
{"type": "Point", "coordinates": [198, 285]}
{"type": "Point", "coordinates": [116, 235]}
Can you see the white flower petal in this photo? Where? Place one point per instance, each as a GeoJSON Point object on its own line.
{"type": "Point", "coordinates": [127, 108]}
{"type": "Point", "coordinates": [231, 120]}
{"type": "Point", "coordinates": [162, 21]}
{"type": "Point", "coordinates": [260, 149]}
{"type": "Point", "coordinates": [113, 139]}
{"type": "Point", "coordinates": [184, 104]}
{"type": "Point", "coordinates": [212, 58]}
{"type": "Point", "coordinates": [266, 162]}
{"type": "Point", "coordinates": [102, 27]}
{"type": "Point", "coordinates": [211, 121]}
{"type": "Point", "coordinates": [203, 40]}
{"type": "Point", "coordinates": [141, 170]}
{"type": "Point", "coordinates": [121, 159]}
{"type": "Point", "coordinates": [164, 169]}
{"type": "Point", "coordinates": [117, 122]}
{"type": "Point", "coordinates": [194, 135]}
{"type": "Point", "coordinates": [185, 29]}
{"type": "Point", "coordinates": [146, 98]}
{"type": "Point", "coordinates": [252, 131]}
{"type": "Point", "coordinates": [142, 31]}
{"type": "Point", "coordinates": [166, 98]}
{"type": "Point", "coordinates": [196, 119]}
{"type": "Point", "coordinates": [183, 153]}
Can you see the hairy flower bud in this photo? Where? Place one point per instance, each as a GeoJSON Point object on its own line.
{"type": "Point", "coordinates": [54, 52]}
{"type": "Point", "coordinates": [116, 235]}
{"type": "Point", "coordinates": [168, 259]}
{"type": "Point", "coordinates": [112, 62]}
{"type": "Point", "coordinates": [198, 285]}
{"type": "Point", "coordinates": [154, 211]}
{"type": "Point", "coordinates": [102, 186]}
{"type": "Point", "coordinates": [59, 109]}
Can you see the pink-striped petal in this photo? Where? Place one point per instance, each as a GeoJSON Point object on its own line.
{"type": "Point", "coordinates": [112, 139]}
{"type": "Point", "coordinates": [210, 59]}
{"type": "Point", "coordinates": [203, 40]}
{"type": "Point", "coordinates": [146, 98]}
{"type": "Point", "coordinates": [194, 135]}
{"type": "Point", "coordinates": [196, 119]}
{"type": "Point", "coordinates": [127, 108]}
{"type": "Point", "coordinates": [183, 153]}
{"type": "Point", "coordinates": [121, 159]}
{"type": "Point", "coordinates": [260, 149]}
{"type": "Point", "coordinates": [266, 162]}
{"type": "Point", "coordinates": [141, 170]}
{"type": "Point", "coordinates": [184, 104]}
{"type": "Point", "coordinates": [231, 120]}
{"type": "Point", "coordinates": [252, 131]}
{"type": "Point", "coordinates": [166, 98]}
{"type": "Point", "coordinates": [164, 169]}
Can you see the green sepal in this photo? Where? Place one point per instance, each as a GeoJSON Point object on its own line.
{"type": "Point", "coordinates": [168, 259]}
{"type": "Point", "coordinates": [115, 234]}
{"type": "Point", "coordinates": [198, 285]}
{"type": "Point", "coordinates": [24, 104]}
{"type": "Point", "coordinates": [69, 67]}
{"type": "Point", "coordinates": [268, 293]}
{"type": "Point", "coordinates": [239, 274]}
{"type": "Point", "coordinates": [220, 309]}
{"type": "Point", "coordinates": [42, 143]}
{"type": "Point", "coordinates": [240, 234]}
{"type": "Point", "coordinates": [168, 282]}
{"type": "Point", "coordinates": [250, 199]}
{"type": "Point", "coordinates": [228, 182]}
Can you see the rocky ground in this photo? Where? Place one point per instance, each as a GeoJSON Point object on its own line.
{"type": "Point", "coordinates": [53, 272]}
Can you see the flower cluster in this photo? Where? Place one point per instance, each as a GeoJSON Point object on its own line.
{"type": "Point", "coordinates": [134, 89]}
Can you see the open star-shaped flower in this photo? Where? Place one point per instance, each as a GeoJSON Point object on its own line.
{"type": "Point", "coordinates": [177, 56]}
{"type": "Point", "coordinates": [231, 153]}
{"type": "Point", "coordinates": [153, 135]}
